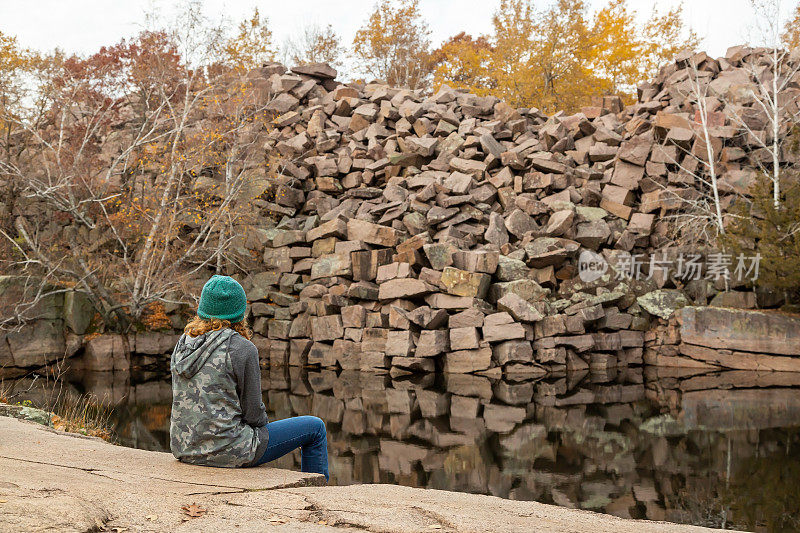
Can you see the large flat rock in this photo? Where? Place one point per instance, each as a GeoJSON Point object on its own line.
{"type": "Point", "coordinates": [96, 455]}
{"type": "Point", "coordinates": [51, 481]}
{"type": "Point", "coordinates": [738, 329]}
{"type": "Point", "coordinates": [411, 510]}
{"type": "Point", "coordinates": [720, 357]}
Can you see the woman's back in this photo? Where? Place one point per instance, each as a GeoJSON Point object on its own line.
{"type": "Point", "coordinates": [207, 425]}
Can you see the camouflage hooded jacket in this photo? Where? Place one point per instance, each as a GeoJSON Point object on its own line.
{"type": "Point", "coordinates": [218, 417]}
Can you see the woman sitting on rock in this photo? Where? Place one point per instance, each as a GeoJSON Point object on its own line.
{"type": "Point", "coordinates": [218, 417]}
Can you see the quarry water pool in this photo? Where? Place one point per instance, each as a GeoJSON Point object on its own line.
{"type": "Point", "coordinates": [715, 449]}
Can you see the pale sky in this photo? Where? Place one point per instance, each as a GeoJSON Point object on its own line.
{"type": "Point", "coordinates": [82, 26]}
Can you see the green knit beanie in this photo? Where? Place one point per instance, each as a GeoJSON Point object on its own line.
{"type": "Point", "coordinates": [222, 298]}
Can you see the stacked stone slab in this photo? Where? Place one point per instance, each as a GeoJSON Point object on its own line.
{"type": "Point", "coordinates": [419, 233]}
{"type": "Point", "coordinates": [716, 338]}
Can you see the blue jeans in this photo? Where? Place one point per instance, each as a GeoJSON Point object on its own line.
{"type": "Point", "coordinates": [305, 432]}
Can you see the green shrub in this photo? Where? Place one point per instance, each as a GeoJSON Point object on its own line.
{"type": "Point", "coordinates": [758, 226]}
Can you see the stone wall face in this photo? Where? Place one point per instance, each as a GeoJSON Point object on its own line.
{"type": "Point", "coordinates": [38, 342]}
{"type": "Point", "coordinates": [714, 338]}
{"type": "Point", "coordinates": [59, 329]}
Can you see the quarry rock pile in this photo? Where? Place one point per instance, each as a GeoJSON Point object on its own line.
{"type": "Point", "coordinates": [411, 233]}
{"type": "Point", "coordinates": [443, 232]}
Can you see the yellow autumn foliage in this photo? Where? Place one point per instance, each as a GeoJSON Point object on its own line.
{"type": "Point", "coordinates": [561, 56]}
{"type": "Point", "coordinates": [393, 45]}
{"type": "Point", "coordinates": [252, 45]}
{"type": "Point", "coordinates": [791, 35]}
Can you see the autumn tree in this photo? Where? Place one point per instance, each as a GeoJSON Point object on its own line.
{"type": "Point", "coordinates": [534, 58]}
{"type": "Point", "coordinates": [15, 63]}
{"type": "Point", "coordinates": [316, 45]}
{"type": "Point", "coordinates": [20, 68]}
{"type": "Point", "coordinates": [791, 34]}
{"type": "Point", "coordinates": [559, 56]}
{"type": "Point", "coordinates": [462, 62]}
{"type": "Point", "coordinates": [624, 54]}
{"type": "Point", "coordinates": [393, 45]}
{"type": "Point", "coordinates": [559, 59]}
{"type": "Point", "coordinates": [143, 167]}
{"type": "Point", "coordinates": [251, 46]}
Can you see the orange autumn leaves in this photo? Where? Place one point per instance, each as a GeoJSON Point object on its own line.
{"type": "Point", "coordinates": [791, 35]}
{"type": "Point", "coordinates": [552, 58]}
{"type": "Point", "coordinates": [393, 45]}
{"type": "Point", "coordinates": [252, 44]}
{"type": "Point", "coordinates": [559, 57]}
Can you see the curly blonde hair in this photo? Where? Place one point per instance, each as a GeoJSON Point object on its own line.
{"type": "Point", "coordinates": [200, 326]}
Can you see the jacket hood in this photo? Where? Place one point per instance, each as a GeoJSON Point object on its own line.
{"type": "Point", "coordinates": [191, 353]}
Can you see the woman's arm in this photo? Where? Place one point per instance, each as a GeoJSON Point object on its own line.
{"type": "Point", "coordinates": [244, 359]}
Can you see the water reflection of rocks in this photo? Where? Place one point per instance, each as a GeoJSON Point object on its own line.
{"type": "Point", "coordinates": [719, 449]}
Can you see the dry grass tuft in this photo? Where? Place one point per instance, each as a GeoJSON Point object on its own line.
{"type": "Point", "coordinates": [83, 414]}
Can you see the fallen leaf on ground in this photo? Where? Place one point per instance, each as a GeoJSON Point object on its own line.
{"type": "Point", "coordinates": [3, 501]}
{"type": "Point", "coordinates": [194, 510]}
